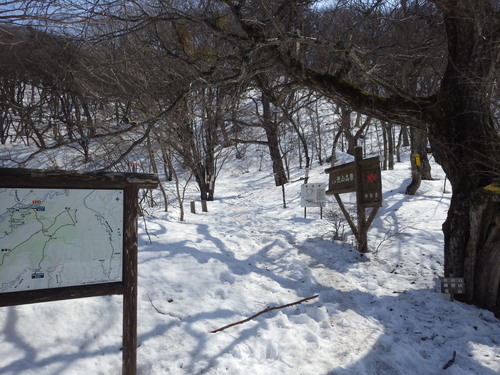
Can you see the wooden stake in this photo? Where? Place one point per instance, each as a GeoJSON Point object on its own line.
{"type": "Point", "coordinates": [352, 225]}
{"type": "Point", "coordinates": [362, 230]}
{"type": "Point", "coordinates": [129, 354]}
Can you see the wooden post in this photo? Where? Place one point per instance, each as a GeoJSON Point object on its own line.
{"type": "Point", "coordinates": [204, 207]}
{"type": "Point", "coordinates": [193, 207]}
{"type": "Point", "coordinates": [129, 354]}
{"type": "Point", "coordinates": [284, 196]}
{"type": "Point", "coordinates": [362, 230]}
{"type": "Point", "coordinates": [347, 216]}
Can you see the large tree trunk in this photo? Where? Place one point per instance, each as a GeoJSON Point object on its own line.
{"type": "Point", "coordinates": [467, 145]}
{"type": "Point", "coordinates": [472, 251]}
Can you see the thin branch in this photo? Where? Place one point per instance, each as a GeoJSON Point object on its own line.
{"type": "Point", "coordinates": [262, 312]}
{"type": "Point", "coordinates": [246, 141]}
{"type": "Point", "coordinates": [154, 307]}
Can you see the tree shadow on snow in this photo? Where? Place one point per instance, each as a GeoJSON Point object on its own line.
{"type": "Point", "coordinates": [27, 358]}
{"type": "Point", "coordinates": [398, 335]}
{"type": "Point", "coordinates": [418, 327]}
{"type": "Point", "coordinates": [406, 343]}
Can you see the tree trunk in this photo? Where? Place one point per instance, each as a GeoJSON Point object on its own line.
{"type": "Point", "coordinates": [467, 145]}
{"type": "Point", "coordinates": [472, 228]}
{"type": "Point", "coordinates": [273, 142]}
{"type": "Point", "coordinates": [416, 177]}
{"type": "Point", "coordinates": [420, 166]}
{"type": "Point", "coordinates": [345, 124]}
{"type": "Point", "coordinates": [390, 145]}
{"type": "Point", "coordinates": [388, 153]}
{"type": "Point", "coordinates": [472, 238]}
{"type": "Point", "coordinates": [209, 149]}
{"type": "Point", "coordinates": [333, 156]}
{"type": "Point", "coordinates": [402, 142]}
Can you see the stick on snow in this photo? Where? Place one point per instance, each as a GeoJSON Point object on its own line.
{"type": "Point", "coordinates": [262, 312]}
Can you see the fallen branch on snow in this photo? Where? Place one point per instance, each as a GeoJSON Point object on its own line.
{"type": "Point", "coordinates": [262, 312]}
{"type": "Point", "coordinates": [152, 304]}
{"type": "Point", "coordinates": [451, 361]}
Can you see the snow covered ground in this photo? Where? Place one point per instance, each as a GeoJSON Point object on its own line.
{"type": "Point", "coordinates": [373, 314]}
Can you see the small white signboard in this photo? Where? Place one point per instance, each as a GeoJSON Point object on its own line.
{"type": "Point", "coordinates": [313, 195]}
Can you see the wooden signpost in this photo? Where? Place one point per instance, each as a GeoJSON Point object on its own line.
{"type": "Point", "coordinates": [362, 176]}
{"type": "Point", "coordinates": [63, 206]}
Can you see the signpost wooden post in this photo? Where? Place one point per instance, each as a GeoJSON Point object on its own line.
{"type": "Point", "coordinates": [363, 177]}
{"type": "Point", "coordinates": [126, 185]}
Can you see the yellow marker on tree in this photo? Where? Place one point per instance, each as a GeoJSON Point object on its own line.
{"type": "Point", "coordinates": [417, 160]}
{"type": "Point", "coordinates": [493, 187]}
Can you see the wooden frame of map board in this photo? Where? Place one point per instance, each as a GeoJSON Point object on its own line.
{"type": "Point", "coordinates": [129, 184]}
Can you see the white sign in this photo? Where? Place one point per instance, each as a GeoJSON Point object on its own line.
{"type": "Point", "coordinates": [51, 238]}
{"type": "Point", "coordinates": [313, 195]}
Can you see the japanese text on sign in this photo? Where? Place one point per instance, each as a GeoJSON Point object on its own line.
{"type": "Point", "coordinates": [342, 179]}
{"type": "Point", "coordinates": [452, 285]}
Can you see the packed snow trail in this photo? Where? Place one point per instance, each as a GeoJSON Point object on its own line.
{"type": "Point", "coordinates": [368, 317]}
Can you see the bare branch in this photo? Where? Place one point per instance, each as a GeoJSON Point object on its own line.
{"type": "Point", "coordinates": [263, 312]}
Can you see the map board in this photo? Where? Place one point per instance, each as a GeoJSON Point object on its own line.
{"type": "Point", "coordinates": [68, 234]}
{"type": "Point", "coordinates": [313, 195]}
{"type": "Point", "coordinates": [72, 234]}
{"type": "Point", "coordinates": [52, 238]}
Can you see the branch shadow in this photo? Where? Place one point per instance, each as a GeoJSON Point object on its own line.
{"type": "Point", "coordinates": [419, 328]}
{"type": "Point", "coordinates": [30, 358]}
{"type": "Point", "coordinates": [418, 338]}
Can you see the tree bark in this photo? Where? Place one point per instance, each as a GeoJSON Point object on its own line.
{"type": "Point", "coordinates": [420, 166]}
{"type": "Point", "coordinates": [467, 145]}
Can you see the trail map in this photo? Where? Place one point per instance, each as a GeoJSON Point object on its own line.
{"type": "Point", "coordinates": [51, 238]}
